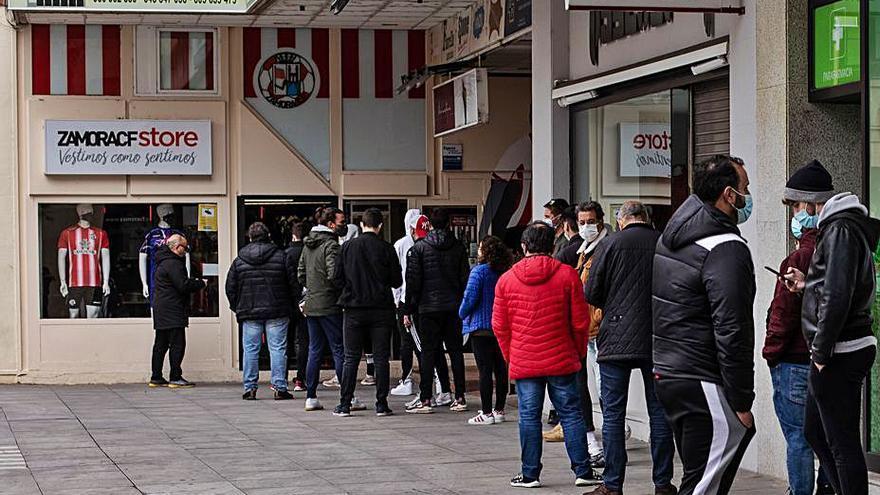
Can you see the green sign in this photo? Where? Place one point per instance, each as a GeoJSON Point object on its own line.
{"type": "Point", "coordinates": [836, 44]}
{"type": "Point", "coordinates": [119, 6]}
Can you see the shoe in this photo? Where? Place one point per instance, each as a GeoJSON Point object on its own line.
{"type": "Point", "coordinates": [520, 481]}
{"type": "Point", "coordinates": [594, 479]}
{"type": "Point", "coordinates": [383, 410]}
{"type": "Point", "coordinates": [283, 395]}
{"type": "Point", "coordinates": [403, 388]}
{"type": "Point", "coordinates": [182, 383]}
{"type": "Point", "coordinates": [341, 412]}
{"type": "Point", "coordinates": [552, 418]}
{"type": "Point", "coordinates": [357, 405]}
{"type": "Point", "coordinates": [825, 489]}
{"type": "Point", "coordinates": [443, 399]}
{"type": "Point", "coordinates": [482, 419]}
{"type": "Point", "coordinates": [249, 394]}
{"type": "Point", "coordinates": [598, 461]}
{"type": "Point", "coordinates": [313, 405]}
{"type": "Point", "coordinates": [421, 408]}
{"type": "Point", "coordinates": [331, 383]}
{"type": "Point", "coordinates": [413, 403]}
{"type": "Point", "coordinates": [500, 417]}
{"type": "Point", "coordinates": [369, 381]}
{"type": "Point", "coordinates": [161, 382]}
{"type": "Point", "coordinates": [672, 490]}
{"type": "Point", "coordinates": [299, 386]}
{"type": "Point", "coordinates": [460, 405]}
{"type": "Point", "coordinates": [627, 432]}
{"type": "Point", "coordinates": [601, 490]}
{"type": "Point", "coordinates": [554, 435]}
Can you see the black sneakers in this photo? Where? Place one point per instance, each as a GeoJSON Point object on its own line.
{"type": "Point", "coordinates": [384, 410]}
{"type": "Point", "coordinates": [283, 395]}
{"type": "Point", "coordinates": [590, 479]}
{"type": "Point", "coordinates": [161, 382]}
{"type": "Point", "coordinates": [520, 481]}
{"type": "Point", "coordinates": [342, 412]}
{"type": "Point", "coordinates": [181, 383]}
{"type": "Point", "coordinates": [250, 395]}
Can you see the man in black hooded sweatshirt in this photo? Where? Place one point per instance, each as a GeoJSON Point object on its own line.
{"type": "Point", "coordinates": [704, 335]}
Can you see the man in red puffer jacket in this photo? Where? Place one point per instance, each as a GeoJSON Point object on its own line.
{"type": "Point", "coordinates": [541, 321]}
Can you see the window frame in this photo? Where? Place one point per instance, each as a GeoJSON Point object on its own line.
{"type": "Point", "coordinates": [154, 75]}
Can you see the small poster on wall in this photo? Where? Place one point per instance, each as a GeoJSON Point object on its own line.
{"type": "Point", "coordinates": [207, 217]}
{"type": "Point", "coordinates": [645, 150]}
{"type": "Point", "coordinates": [453, 156]}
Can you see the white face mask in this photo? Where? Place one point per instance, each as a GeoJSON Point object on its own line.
{"type": "Point", "coordinates": [588, 232]}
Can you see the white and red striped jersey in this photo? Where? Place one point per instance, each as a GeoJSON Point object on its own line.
{"type": "Point", "coordinates": [186, 60]}
{"type": "Point", "coordinates": [381, 129]}
{"type": "Point", "coordinates": [72, 59]}
{"type": "Point", "coordinates": [287, 82]}
{"type": "Point", "coordinates": [83, 247]}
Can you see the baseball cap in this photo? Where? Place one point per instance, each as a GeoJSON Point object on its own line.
{"type": "Point", "coordinates": [423, 225]}
{"type": "Point", "coordinates": [556, 203]}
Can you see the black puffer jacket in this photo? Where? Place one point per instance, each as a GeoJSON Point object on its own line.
{"type": "Point", "coordinates": [620, 284]}
{"type": "Point", "coordinates": [368, 269]}
{"type": "Point", "coordinates": [171, 291]}
{"type": "Point", "coordinates": [437, 271]}
{"type": "Point", "coordinates": [259, 283]}
{"type": "Point", "coordinates": [703, 293]}
{"type": "Point", "coordinates": [293, 254]}
{"type": "Point", "coordinates": [839, 288]}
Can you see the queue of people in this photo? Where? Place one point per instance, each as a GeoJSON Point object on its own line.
{"type": "Point", "coordinates": [676, 306]}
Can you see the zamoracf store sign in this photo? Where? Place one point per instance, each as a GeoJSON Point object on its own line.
{"type": "Point", "coordinates": [128, 147]}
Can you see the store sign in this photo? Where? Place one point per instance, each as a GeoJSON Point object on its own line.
{"type": "Point", "coordinates": [836, 44]}
{"type": "Point", "coordinates": [645, 150]}
{"type": "Point", "coordinates": [517, 16]}
{"type": "Point", "coordinates": [453, 156]}
{"type": "Point", "coordinates": [461, 102]}
{"type": "Point", "coordinates": [128, 147]}
{"type": "Point", "coordinates": [176, 6]}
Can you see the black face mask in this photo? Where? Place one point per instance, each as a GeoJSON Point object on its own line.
{"type": "Point", "coordinates": [88, 217]}
{"type": "Point", "coordinates": [341, 230]}
{"type": "Point", "coordinates": [169, 219]}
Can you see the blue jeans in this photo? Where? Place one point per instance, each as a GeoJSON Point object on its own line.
{"type": "Point", "coordinates": [323, 330]}
{"type": "Point", "coordinates": [276, 338]}
{"type": "Point", "coordinates": [566, 400]}
{"type": "Point", "coordinates": [615, 392]}
{"type": "Point", "coordinates": [789, 400]}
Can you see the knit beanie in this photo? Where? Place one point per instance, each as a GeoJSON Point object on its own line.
{"type": "Point", "coordinates": [810, 184]}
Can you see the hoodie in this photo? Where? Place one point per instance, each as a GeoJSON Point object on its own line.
{"type": "Point", "coordinates": [261, 283]}
{"type": "Point", "coordinates": [703, 291]}
{"type": "Point", "coordinates": [437, 271]}
{"type": "Point", "coordinates": [540, 318]}
{"type": "Point", "coordinates": [402, 247]}
{"type": "Point", "coordinates": [172, 289]}
{"type": "Point", "coordinates": [316, 271]}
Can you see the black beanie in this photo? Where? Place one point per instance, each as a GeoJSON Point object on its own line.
{"type": "Point", "coordinates": [810, 183]}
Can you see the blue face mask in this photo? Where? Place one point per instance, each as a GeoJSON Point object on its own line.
{"type": "Point", "coordinates": [802, 220]}
{"type": "Point", "coordinates": [743, 214]}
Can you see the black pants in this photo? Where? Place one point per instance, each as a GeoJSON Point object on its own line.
{"type": "Point", "coordinates": [407, 349]}
{"type": "Point", "coordinates": [360, 326]}
{"type": "Point", "coordinates": [709, 436]}
{"type": "Point", "coordinates": [832, 419]}
{"type": "Point", "coordinates": [302, 347]}
{"type": "Point", "coordinates": [436, 329]}
{"type": "Point", "coordinates": [586, 399]}
{"type": "Point", "coordinates": [169, 339]}
{"type": "Point", "coordinates": [491, 364]}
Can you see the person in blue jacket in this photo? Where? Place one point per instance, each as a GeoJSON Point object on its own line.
{"type": "Point", "coordinates": [494, 258]}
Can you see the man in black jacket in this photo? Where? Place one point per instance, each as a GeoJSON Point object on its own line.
{"type": "Point", "coordinates": [437, 271]}
{"type": "Point", "coordinates": [172, 289]}
{"type": "Point", "coordinates": [838, 294]}
{"type": "Point", "coordinates": [367, 271]}
{"type": "Point", "coordinates": [704, 336]}
{"type": "Point", "coordinates": [569, 254]}
{"type": "Point", "coordinates": [620, 284]}
{"type": "Point", "coordinates": [299, 231]}
{"type": "Point", "coordinates": [259, 286]}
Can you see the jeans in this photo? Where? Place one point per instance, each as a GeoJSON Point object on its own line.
{"type": "Point", "coordinates": [789, 400]}
{"type": "Point", "coordinates": [615, 392]}
{"type": "Point", "coordinates": [173, 340]}
{"type": "Point", "coordinates": [491, 364]}
{"type": "Point", "coordinates": [592, 357]}
{"type": "Point", "coordinates": [832, 420]}
{"type": "Point", "coordinates": [436, 329]}
{"type": "Point", "coordinates": [565, 397]}
{"type": "Point", "coordinates": [361, 327]}
{"type": "Point", "coordinates": [276, 339]}
{"type": "Point", "coordinates": [586, 398]}
{"type": "Point", "coordinates": [323, 330]}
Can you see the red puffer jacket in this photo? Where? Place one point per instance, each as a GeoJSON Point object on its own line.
{"type": "Point", "coordinates": [540, 318]}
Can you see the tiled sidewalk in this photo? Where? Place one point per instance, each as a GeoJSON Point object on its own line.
{"type": "Point", "coordinates": [128, 439]}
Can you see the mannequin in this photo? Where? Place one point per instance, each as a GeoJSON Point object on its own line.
{"type": "Point", "coordinates": [153, 239]}
{"type": "Point", "coordinates": [84, 265]}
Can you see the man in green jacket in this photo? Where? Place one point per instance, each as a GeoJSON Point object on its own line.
{"type": "Point", "coordinates": [317, 267]}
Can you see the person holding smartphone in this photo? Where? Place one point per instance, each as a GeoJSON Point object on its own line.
{"type": "Point", "coordinates": [838, 291]}
{"type": "Point", "coordinates": [785, 347]}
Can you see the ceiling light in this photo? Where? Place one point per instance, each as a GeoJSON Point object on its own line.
{"type": "Point", "coordinates": [336, 6]}
{"type": "Point", "coordinates": [576, 98]}
{"type": "Point", "coordinates": [709, 65]}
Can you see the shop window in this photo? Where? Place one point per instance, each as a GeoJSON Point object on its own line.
{"type": "Point", "coordinates": [103, 256]}
{"type": "Point", "coordinates": [176, 61]}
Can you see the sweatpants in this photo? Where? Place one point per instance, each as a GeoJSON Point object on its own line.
{"type": "Point", "coordinates": [709, 436]}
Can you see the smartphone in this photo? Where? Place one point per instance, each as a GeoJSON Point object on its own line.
{"type": "Point", "coordinates": [774, 272]}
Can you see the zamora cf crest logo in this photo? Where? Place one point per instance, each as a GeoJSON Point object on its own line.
{"type": "Point", "coordinates": [287, 79]}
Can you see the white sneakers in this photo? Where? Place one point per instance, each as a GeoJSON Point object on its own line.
{"type": "Point", "coordinates": [483, 419]}
{"type": "Point", "coordinates": [368, 381]}
{"type": "Point", "coordinates": [405, 387]}
{"type": "Point", "coordinates": [357, 405]}
{"type": "Point", "coordinates": [313, 405]}
{"type": "Point", "coordinates": [444, 399]}
{"type": "Point", "coordinates": [331, 383]}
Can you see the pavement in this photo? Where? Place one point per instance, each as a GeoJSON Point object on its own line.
{"type": "Point", "coordinates": [129, 439]}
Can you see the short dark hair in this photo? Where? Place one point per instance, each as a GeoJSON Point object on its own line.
{"type": "Point", "coordinates": [328, 215]}
{"type": "Point", "coordinates": [713, 175]}
{"type": "Point", "coordinates": [592, 206]}
{"type": "Point", "coordinates": [301, 229]}
{"type": "Point", "coordinates": [556, 205]}
{"type": "Point", "coordinates": [258, 232]}
{"type": "Point", "coordinates": [372, 218]}
{"type": "Point", "coordinates": [439, 218]}
{"type": "Point", "coordinates": [538, 238]}
{"type": "Point", "coordinates": [569, 217]}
